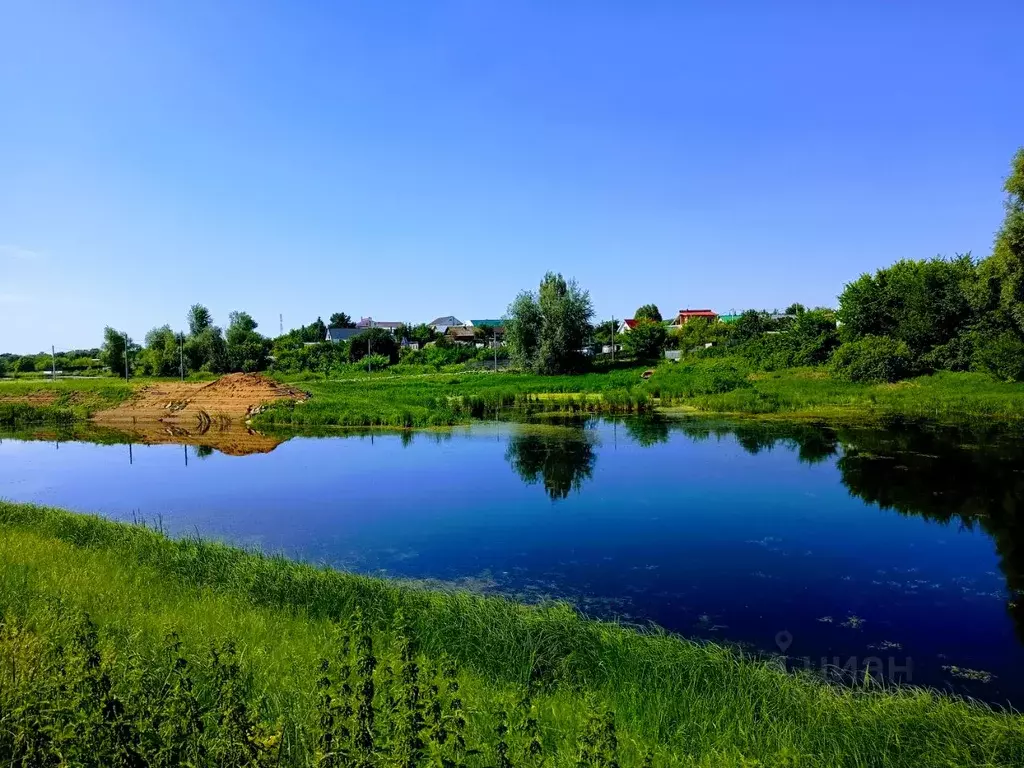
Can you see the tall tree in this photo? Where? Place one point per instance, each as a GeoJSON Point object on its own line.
{"type": "Point", "coordinates": [115, 347]}
{"type": "Point", "coordinates": [247, 350]}
{"type": "Point", "coordinates": [648, 312]}
{"type": "Point", "coordinates": [160, 356]}
{"type": "Point", "coordinates": [199, 319]}
{"type": "Point", "coordinates": [340, 320]}
{"type": "Point", "coordinates": [546, 330]}
{"type": "Point", "coordinates": [1000, 297]}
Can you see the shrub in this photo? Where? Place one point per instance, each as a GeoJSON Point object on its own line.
{"type": "Point", "coordinates": [873, 358]}
{"type": "Point", "coordinates": [1002, 356]}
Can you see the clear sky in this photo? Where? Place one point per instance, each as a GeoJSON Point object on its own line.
{"type": "Point", "coordinates": [413, 159]}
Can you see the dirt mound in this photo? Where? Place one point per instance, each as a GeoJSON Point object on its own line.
{"type": "Point", "coordinates": [197, 406]}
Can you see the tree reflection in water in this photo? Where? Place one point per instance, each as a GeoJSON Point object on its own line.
{"type": "Point", "coordinates": [974, 480]}
{"type": "Point", "coordinates": [561, 462]}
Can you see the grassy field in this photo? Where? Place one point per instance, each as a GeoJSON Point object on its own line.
{"type": "Point", "coordinates": [37, 401]}
{"type": "Point", "coordinates": [812, 393]}
{"type": "Point", "coordinates": [711, 386]}
{"type": "Point", "coordinates": [453, 398]}
{"type": "Point", "coordinates": [595, 691]}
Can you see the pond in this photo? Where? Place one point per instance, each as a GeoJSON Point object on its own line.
{"type": "Point", "coordinates": [897, 552]}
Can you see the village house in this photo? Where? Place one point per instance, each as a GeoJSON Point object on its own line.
{"type": "Point", "coordinates": [462, 334]}
{"type": "Point", "coordinates": [442, 324]}
{"type": "Point", "coordinates": [342, 334]}
{"type": "Point", "coordinates": [626, 326]}
{"type": "Point", "coordinates": [686, 315]}
{"type": "Point", "coordinates": [369, 322]}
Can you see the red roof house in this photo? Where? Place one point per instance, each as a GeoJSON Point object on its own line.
{"type": "Point", "coordinates": [686, 315]}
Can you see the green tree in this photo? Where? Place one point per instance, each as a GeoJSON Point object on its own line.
{"type": "Point", "coordinates": [921, 303]}
{"type": "Point", "coordinates": [546, 330]}
{"type": "Point", "coordinates": [3, 367]}
{"type": "Point", "coordinates": [373, 341]}
{"type": "Point", "coordinates": [1002, 274]}
{"type": "Point", "coordinates": [648, 312]}
{"type": "Point", "coordinates": [999, 297]}
{"type": "Point", "coordinates": [247, 350]}
{"type": "Point", "coordinates": [751, 324]}
{"type": "Point", "coordinates": [115, 346]}
{"type": "Point", "coordinates": [199, 319]}
{"type": "Point", "coordinates": [206, 351]}
{"type": "Point", "coordinates": [605, 333]}
{"type": "Point", "coordinates": [340, 320]}
{"type": "Point", "coordinates": [698, 332]}
{"type": "Point", "coordinates": [25, 364]}
{"type": "Point", "coordinates": [422, 333]}
{"type": "Point", "coordinates": [646, 341]}
{"type": "Point", "coordinates": [160, 356]}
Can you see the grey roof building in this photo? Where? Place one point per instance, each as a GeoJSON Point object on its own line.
{"type": "Point", "coordinates": [342, 334]}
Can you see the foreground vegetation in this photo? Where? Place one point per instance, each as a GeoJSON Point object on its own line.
{"type": "Point", "coordinates": [123, 647]}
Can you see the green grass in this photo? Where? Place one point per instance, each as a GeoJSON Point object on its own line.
{"type": "Point", "coordinates": [942, 398]}
{"type": "Point", "coordinates": [453, 398]}
{"type": "Point", "coordinates": [687, 703]}
{"type": "Point", "coordinates": [24, 401]}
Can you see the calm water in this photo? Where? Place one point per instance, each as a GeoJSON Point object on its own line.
{"type": "Point", "coordinates": [900, 551]}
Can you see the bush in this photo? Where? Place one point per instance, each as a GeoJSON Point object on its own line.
{"type": "Point", "coordinates": [873, 358]}
{"type": "Point", "coordinates": [25, 365]}
{"type": "Point", "coordinates": [1002, 356]}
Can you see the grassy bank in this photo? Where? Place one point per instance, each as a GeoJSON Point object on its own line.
{"type": "Point", "coordinates": [813, 393]}
{"type": "Point", "coordinates": [683, 703]}
{"type": "Point", "coordinates": [446, 399]}
{"type": "Point", "coordinates": [711, 386]}
{"type": "Point", "coordinates": [35, 401]}
{"type": "Point", "coordinates": [722, 386]}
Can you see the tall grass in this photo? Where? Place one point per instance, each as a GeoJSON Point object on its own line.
{"type": "Point", "coordinates": [443, 400]}
{"type": "Point", "coordinates": [688, 703]}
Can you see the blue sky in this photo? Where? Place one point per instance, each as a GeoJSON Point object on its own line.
{"type": "Point", "coordinates": [415, 159]}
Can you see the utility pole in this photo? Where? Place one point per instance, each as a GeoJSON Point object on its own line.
{"type": "Point", "coordinates": [613, 338]}
{"type": "Point", "coordinates": [126, 373]}
{"type": "Point", "coordinates": [280, 319]}
{"type": "Point", "coordinates": [53, 358]}
{"type": "Point", "coordinates": [495, 349]}
{"type": "Point", "coordinates": [181, 360]}
{"type": "Point", "coordinates": [369, 351]}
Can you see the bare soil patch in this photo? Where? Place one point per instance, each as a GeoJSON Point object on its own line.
{"type": "Point", "coordinates": [199, 406]}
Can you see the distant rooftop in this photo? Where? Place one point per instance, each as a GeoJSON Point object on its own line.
{"type": "Point", "coordinates": [342, 334]}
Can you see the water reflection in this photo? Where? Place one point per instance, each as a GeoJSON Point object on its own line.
{"type": "Point", "coordinates": [562, 464]}
{"type": "Point", "coordinates": [959, 482]}
{"type": "Point", "coordinates": [951, 476]}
